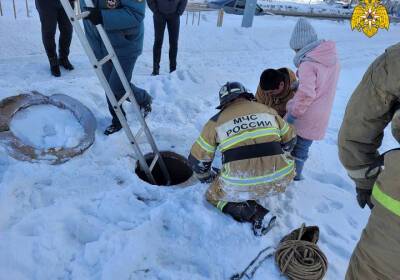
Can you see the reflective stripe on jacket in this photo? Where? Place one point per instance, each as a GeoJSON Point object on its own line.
{"type": "Point", "coordinates": [243, 132]}
{"type": "Point", "coordinates": [386, 201]}
{"type": "Point", "coordinates": [377, 253]}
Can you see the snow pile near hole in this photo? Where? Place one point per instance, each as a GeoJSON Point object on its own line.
{"type": "Point", "coordinates": [47, 126]}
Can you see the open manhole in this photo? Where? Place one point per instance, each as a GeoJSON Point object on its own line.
{"type": "Point", "coordinates": [177, 165]}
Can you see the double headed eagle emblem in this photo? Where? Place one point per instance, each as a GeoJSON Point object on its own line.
{"type": "Point", "coordinates": [369, 16]}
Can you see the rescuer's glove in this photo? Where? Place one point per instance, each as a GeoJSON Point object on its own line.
{"type": "Point", "coordinates": [364, 197]}
{"type": "Point", "coordinates": [209, 179]}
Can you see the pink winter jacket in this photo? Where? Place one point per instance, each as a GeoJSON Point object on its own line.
{"type": "Point", "coordinates": [312, 103]}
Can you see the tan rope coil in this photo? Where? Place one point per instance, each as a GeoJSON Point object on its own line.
{"type": "Point", "coordinates": [298, 256]}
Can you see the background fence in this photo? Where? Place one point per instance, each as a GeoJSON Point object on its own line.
{"type": "Point", "coordinates": [19, 9]}
{"type": "Point", "coordinates": [16, 8]}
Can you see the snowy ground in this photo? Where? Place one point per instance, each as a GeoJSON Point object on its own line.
{"type": "Point", "coordinates": [92, 218]}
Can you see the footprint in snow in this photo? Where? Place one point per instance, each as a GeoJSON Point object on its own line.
{"type": "Point", "coordinates": [336, 205]}
{"type": "Point", "coordinates": [353, 223]}
{"type": "Point", "coordinates": [333, 179]}
{"type": "Point", "coordinates": [287, 205]}
{"type": "Point", "coordinates": [322, 208]}
{"type": "Point", "coordinates": [288, 222]}
{"type": "Point", "coordinates": [340, 251]}
{"type": "Point", "coordinates": [181, 75]}
{"type": "Point", "coordinates": [332, 232]}
{"type": "Point", "coordinates": [238, 31]}
{"type": "Point", "coordinates": [168, 87]}
{"type": "Point", "coordinates": [192, 77]}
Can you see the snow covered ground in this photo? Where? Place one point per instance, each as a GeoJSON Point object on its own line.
{"type": "Point", "coordinates": [92, 218]}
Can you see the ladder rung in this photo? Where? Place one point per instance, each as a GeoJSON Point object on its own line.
{"type": "Point", "coordinates": [153, 163]}
{"type": "Point", "coordinates": [139, 133]}
{"type": "Point", "coordinates": [104, 60]}
{"type": "Point", "coordinates": [122, 100]}
{"type": "Point", "coordinates": [81, 15]}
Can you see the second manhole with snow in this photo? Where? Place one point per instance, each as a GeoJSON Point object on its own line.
{"type": "Point", "coordinates": [53, 129]}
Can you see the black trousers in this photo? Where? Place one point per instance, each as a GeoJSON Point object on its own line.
{"type": "Point", "coordinates": [50, 17]}
{"type": "Point", "coordinates": [160, 22]}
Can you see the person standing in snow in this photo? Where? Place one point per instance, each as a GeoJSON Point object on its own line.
{"type": "Point", "coordinates": [123, 22]}
{"type": "Point", "coordinates": [276, 88]}
{"type": "Point", "coordinates": [166, 13]}
{"type": "Point", "coordinates": [253, 140]}
{"type": "Point", "coordinates": [52, 13]}
{"type": "Point", "coordinates": [374, 104]}
{"type": "Point", "coordinates": [318, 73]}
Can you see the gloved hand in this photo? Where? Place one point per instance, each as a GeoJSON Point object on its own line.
{"type": "Point", "coordinates": [95, 16]}
{"type": "Point", "coordinates": [209, 179]}
{"type": "Point", "coordinates": [364, 197]}
{"type": "Point", "coordinates": [289, 146]}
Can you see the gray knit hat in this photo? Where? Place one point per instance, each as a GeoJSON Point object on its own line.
{"type": "Point", "coordinates": [302, 35]}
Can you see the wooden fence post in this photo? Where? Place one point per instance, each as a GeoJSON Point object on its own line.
{"type": "Point", "coordinates": [27, 8]}
{"type": "Point", "coordinates": [193, 18]}
{"type": "Point", "coordinates": [1, 9]}
{"type": "Point", "coordinates": [15, 10]}
{"type": "Point", "coordinates": [187, 17]}
{"type": "Point", "coordinates": [220, 17]}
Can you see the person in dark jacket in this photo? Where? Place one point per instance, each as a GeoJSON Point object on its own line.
{"type": "Point", "coordinates": [123, 23]}
{"type": "Point", "coordinates": [166, 13]}
{"type": "Point", "coordinates": [52, 13]}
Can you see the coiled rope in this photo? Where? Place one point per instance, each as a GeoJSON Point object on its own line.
{"type": "Point", "coordinates": [300, 259]}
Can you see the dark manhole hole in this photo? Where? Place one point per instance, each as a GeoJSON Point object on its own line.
{"type": "Point", "coordinates": [177, 165]}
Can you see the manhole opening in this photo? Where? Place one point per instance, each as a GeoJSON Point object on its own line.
{"type": "Point", "coordinates": [177, 165]}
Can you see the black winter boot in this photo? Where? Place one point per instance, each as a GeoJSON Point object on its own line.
{"type": "Point", "coordinates": [64, 62]}
{"type": "Point", "coordinates": [251, 212]}
{"type": "Point", "coordinates": [54, 67]}
{"type": "Point", "coordinates": [262, 221]}
{"type": "Point", "coordinates": [112, 129]}
{"type": "Point", "coordinates": [240, 211]}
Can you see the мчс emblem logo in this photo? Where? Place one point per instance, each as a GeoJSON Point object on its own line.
{"type": "Point", "coordinates": [112, 4]}
{"type": "Point", "coordinates": [369, 16]}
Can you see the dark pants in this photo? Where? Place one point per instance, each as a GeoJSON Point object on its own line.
{"type": "Point", "coordinates": [300, 154]}
{"type": "Point", "coordinates": [127, 64]}
{"type": "Point", "coordinates": [248, 211]}
{"type": "Point", "coordinates": [172, 22]}
{"type": "Point", "coordinates": [50, 17]}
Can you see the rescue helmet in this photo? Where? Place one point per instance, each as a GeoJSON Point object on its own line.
{"type": "Point", "coordinates": [231, 91]}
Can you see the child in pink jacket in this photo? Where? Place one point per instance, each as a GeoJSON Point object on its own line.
{"type": "Point", "coordinates": [318, 73]}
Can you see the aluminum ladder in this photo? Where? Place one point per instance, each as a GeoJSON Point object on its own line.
{"type": "Point", "coordinates": [75, 18]}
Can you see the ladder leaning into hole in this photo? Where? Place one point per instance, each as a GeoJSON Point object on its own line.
{"type": "Point", "coordinates": [75, 19]}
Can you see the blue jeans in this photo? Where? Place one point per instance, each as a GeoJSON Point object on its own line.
{"type": "Point", "coordinates": [127, 64]}
{"type": "Point", "coordinates": [300, 154]}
